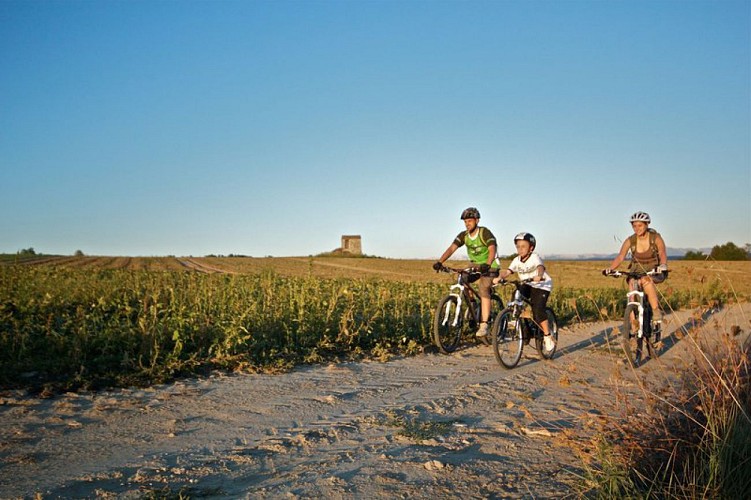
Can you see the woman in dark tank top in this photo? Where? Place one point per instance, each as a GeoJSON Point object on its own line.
{"type": "Point", "coordinates": [648, 252]}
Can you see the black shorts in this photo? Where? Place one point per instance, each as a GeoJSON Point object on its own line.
{"type": "Point", "coordinates": [539, 300]}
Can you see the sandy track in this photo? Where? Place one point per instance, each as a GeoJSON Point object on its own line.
{"type": "Point", "coordinates": [338, 430]}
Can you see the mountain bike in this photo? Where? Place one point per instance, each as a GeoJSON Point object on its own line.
{"type": "Point", "coordinates": [514, 328]}
{"type": "Point", "coordinates": [458, 313]}
{"type": "Point", "coordinates": [637, 320]}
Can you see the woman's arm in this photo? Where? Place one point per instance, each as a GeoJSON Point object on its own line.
{"type": "Point", "coordinates": [621, 255]}
{"type": "Point", "coordinates": [661, 250]}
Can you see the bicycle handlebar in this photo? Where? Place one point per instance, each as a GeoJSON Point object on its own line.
{"type": "Point", "coordinates": [516, 282]}
{"type": "Point", "coordinates": [445, 269]}
{"type": "Point", "coordinates": [634, 274]}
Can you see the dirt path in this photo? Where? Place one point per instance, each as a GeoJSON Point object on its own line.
{"type": "Point", "coordinates": [427, 426]}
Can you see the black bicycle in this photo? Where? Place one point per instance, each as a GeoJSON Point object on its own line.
{"type": "Point", "coordinates": [458, 313]}
{"type": "Point", "coordinates": [637, 320]}
{"type": "Point", "coordinates": [514, 327]}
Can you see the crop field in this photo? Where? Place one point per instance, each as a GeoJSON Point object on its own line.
{"type": "Point", "coordinates": [72, 322]}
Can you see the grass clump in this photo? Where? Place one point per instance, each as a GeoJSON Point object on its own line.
{"type": "Point", "coordinates": [697, 447]}
{"type": "Point", "coordinates": [419, 430]}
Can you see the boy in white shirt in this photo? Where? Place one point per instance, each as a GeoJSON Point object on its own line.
{"type": "Point", "coordinates": [529, 265]}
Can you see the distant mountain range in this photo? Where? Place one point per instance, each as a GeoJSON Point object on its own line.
{"type": "Point", "coordinates": [672, 253]}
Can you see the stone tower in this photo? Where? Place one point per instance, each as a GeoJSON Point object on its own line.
{"type": "Point", "coordinates": [352, 244]}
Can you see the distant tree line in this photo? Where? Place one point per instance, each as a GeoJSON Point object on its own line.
{"type": "Point", "coordinates": [728, 251]}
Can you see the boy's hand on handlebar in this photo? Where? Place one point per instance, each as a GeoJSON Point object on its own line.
{"type": "Point", "coordinates": [484, 268]}
{"type": "Point", "coordinates": [437, 266]}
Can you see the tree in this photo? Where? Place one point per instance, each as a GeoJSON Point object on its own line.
{"type": "Point", "coordinates": [694, 255]}
{"type": "Point", "coordinates": [728, 251]}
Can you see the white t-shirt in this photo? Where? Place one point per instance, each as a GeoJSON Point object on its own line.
{"type": "Point", "coordinates": [528, 269]}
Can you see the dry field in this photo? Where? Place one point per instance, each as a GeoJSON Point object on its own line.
{"type": "Point", "coordinates": [734, 276]}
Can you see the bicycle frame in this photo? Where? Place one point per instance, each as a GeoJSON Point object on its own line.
{"type": "Point", "coordinates": [523, 328]}
{"type": "Point", "coordinates": [519, 304]}
{"type": "Point", "coordinates": [462, 290]}
{"type": "Point", "coordinates": [461, 309]}
{"type": "Point", "coordinates": [637, 311]}
{"type": "Point", "coordinates": [635, 296]}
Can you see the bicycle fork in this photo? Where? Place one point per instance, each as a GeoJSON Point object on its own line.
{"type": "Point", "coordinates": [516, 305]}
{"type": "Point", "coordinates": [458, 289]}
{"type": "Point", "coordinates": [636, 297]}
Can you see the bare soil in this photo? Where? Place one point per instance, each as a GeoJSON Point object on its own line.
{"type": "Point", "coordinates": [426, 426]}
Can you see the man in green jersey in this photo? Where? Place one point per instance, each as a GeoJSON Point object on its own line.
{"type": "Point", "coordinates": [481, 250]}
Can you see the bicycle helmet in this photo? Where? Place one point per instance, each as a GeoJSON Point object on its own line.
{"type": "Point", "coordinates": [470, 213]}
{"type": "Point", "coordinates": [640, 217]}
{"type": "Point", "coordinates": [526, 237]}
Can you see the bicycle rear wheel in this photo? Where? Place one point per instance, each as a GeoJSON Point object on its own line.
{"type": "Point", "coordinates": [632, 344]}
{"type": "Point", "coordinates": [449, 323]}
{"type": "Point", "coordinates": [553, 329]}
{"type": "Point", "coordinates": [507, 339]}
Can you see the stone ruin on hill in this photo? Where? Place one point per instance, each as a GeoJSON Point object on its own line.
{"type": "Point", "coordinates": [351, 245]}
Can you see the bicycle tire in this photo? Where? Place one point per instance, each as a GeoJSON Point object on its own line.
{"type": "Point", "coordinates": [632, 345]}
{"type": "Point", "coordinates": [447, 335]}
{"type": "Point", "coordinates": [508, 341]}
{"type": "Point", "coordinates": [496, 306]}
{"type": "Point", "coordinates": [649, 334]}
{"type": "Point", "coordinates": [553, 329]}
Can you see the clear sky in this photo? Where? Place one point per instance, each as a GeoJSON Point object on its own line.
{"type": "Point", "coordinates": [275, 127]}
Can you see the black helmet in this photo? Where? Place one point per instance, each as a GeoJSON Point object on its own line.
{"type": "Point", "coordinates": [526, 237]}
{"type": "Point", "coordinates": [470, 213]}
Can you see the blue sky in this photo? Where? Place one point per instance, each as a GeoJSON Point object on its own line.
{"type": "Point", "coordinates": [272, 128]}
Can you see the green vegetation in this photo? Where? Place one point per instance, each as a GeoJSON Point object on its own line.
{"type": "Point", "coordinates": [410, 426]}
{"type": "Point", "coordinates": [80, 322]}
{"type": "Point", "coordinates": [72, 328]}
{"type": "Point", "coordinates": [695, 255]}
{"type": "Point", "coordinates": [21, 256]}
{"type": "Point", "coordinates": [728, 251]}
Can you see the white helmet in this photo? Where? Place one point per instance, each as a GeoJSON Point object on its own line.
{"type": "Point", "coordinates": [641, 217]}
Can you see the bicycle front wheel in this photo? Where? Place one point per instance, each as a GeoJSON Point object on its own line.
{"type": "Point", "coordinates": [632, 344]}
{"type": "Point", "coordinates": [449, 323]}
{"type": "Point", "coordinates": [553, 329]}
{"type": "Point", "coordinates": [507, 339]}
{"type": "Point", "coordinates": [496, 306]}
